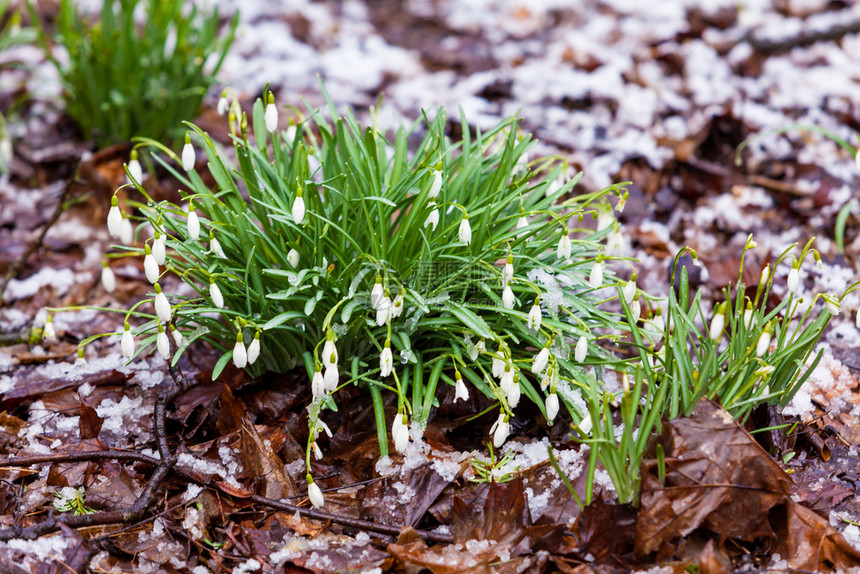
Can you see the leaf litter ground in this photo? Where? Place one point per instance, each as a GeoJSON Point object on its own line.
{"type": "Point", "coordinates": [658, 95]}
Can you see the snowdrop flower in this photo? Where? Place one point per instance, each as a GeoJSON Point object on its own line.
{"type": "Point", "coordinates": [857, 318]}
{"type": "Point", "coordinates": [162, 343]}
{"type": "Point", "coordinates": [240, 355]}
{"type": "Point", "coordinates": [215, 246]}
{"type": "Point", "coordinates": [81, 361]}
{"type": "Point", "coordinates": [108, 278]}
{"type": "Point", "coordinates": [135, 172]}
{"type": "Point", "coordinates": [585, 424]}
{"type": "Point", "coordinates": [435, 188]}
{"type": "Point", "coordinates": [271, 114]}
{"type": "Point", "coordinates": [193, 223]}
{"type": "Point", "coordinates": [376, 293]}
{"type": "Point", "coordinates": [159, 248]}
{"type": "Point", "coordinates": [293, 258]}
{"type": "Point", "coordinates": [551, 406]}
{"type": "Point", "coordinates": [254, 349]}
{"type": "Point", "coordinates": [477, 349]}
{"type": "Point", "coordinates": [793, 281]}
{"type": "Point", "coordinates": [622, 201]}
{"type": "Point", "coordinates": [318, 386]}
{"type": "Point", "coordinates": [162, 306]}
{"type": "Point", "coordinates": [386, 360]}
{"type": "Point", "coordinates": [400, 432]}
{"type": "Point", "coordinates": [832, 305]}
{"type": "Point", "coordinates": [215, 294]}
{"type": "Point", "coordinates": [315, 495]}
{"type": "Point", "coordinates": [126, 343]}
{"type": "Point", "coordinates": [460, 390]}
{"type": "Point", "coordinates": [114, 218]}
{"type": "Point", "coordinates": [299, 207]}
{"type": "Point", "coordinates": [657, 321]}
{"type": "Point", "coordinates": [636, 309]}
{"type": "Point", "coordinates": [465, 232]}
{"type": "Point", "coordinates": [126, 231]}
{"type": "Point", "coordinates": [383, 310]}
{"type": "Point", "coordinates": [507, 378]}
{"type": "Point", "coordinates": [535, 317]}
{"type": "Point", "coordinates": [508, 297]}
{"type": "Point", "coordinates": [150, 265]}
{"type": "Point", "coordinates": [765, 273]}
{"type": "Point", "coordinates": [718, 322]}
{"type": "Point", "coordinates": [329, 353]}
{"type": "Point", "coordinates": [331, 378]}
{"type": "Point", "coordinates": [177, 336]}
{"type": "Point", "coordinates": [563, 251]}
{"type": "Point", "coordinates": [498, 365]}
{"type": "Point", "coordinates": [188, 157]}
{"type": "Point", "coordinates": [541, 359]}
{"type": "Point", "coordinates": [433, 218]}
{"type": "Point", "coordinates": [595, 278]}
{"type": "Point", "coordinates": [223, 103]}
{"type": "Point", "coordinates": [500, 430]}
{"type": "Point", "coordinates": [581, 350]}
{"type": "Point", "coordinates": [550, 377]}
{"type": "Point", "coordinates": [514, 393]}
{"type": "Point", "coordinates": [396, 306]}
{"type": "Point", "coordinates": [315, 448]}
{"type": "Point", "coordinates": [522, 223]}
{"type": "Point", "coordinates": [48, 333]}
{"type": "Point", "coordinates": [763, 344]}
{"type": "Point", "coordinates": [508, 270]}
{"type": "Point", "coordinates": [748, 313]}
{"type": "Point", "coordinates": [629, 290]}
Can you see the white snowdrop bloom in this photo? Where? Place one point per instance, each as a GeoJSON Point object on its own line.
{"type": "Point", "coordinates": [315, 448]}
{"type": "Point", "coordinates": [48, 333]}
{"type": "Point", "coordinates": [126, 343]}
{"type": "Point", "coordinates": [658, 321]}
{"type": "Point", "coordinates": [318, 383]}
{"type": "Point", "coordinates": [159, 248]}
{"type": "Point", "coordinates": [563, 251]}
{"type": "Point", "coordinates": [793, 281]}
{"type": "Point", "coordinates": [162, 343]}
{"type": "Point", "coordinates": [329, 352]}
{"type": "Point", "coordinates": [465, 232]}
{"type": "Point", "coordinates": [553, 187]}
{"type": "Point", "coordinates": [240, 354]}
{"type": "Point", "coordinates": [535, 317]}
{"type": "Point", "coordinates": [177, 336]}
{"type": "Point", "coordinates": [126, 231]}
{"type": "Point", "coordinates": [477, 349]}
{"type": "Point", "coordinates": [550, 377]}
{"type": "Point", "coordinates": [383, 312]}
{"type": "Point", "coordinates": [432, 219]}
{"type": "Point", "coordinates": [763, 344]}
{"type": "Point", "coordinates": [215, 246]}
{"type": "Point", "coordinates": [765, 273]}
{"type": "Point", "coordinates": [400, 432]}
{"type": "Point", "coordinates": [254, 349]}
{"type": "Point", "coordinates": [435, 187]}
{"type": "Point", "coordinates": [581, 350]}
{"type": "Point", "coordinates": [498, 366]}
{"type": "Point", "coordinates": [635, 310]}
{"type": "Point", "coordinates": [831, 304]}
{"type": "Point", "coordinates": [748, 314]}
{"type": "Point", "coordinates": [315, 495]}
{"type": "Point", "coordinates": [508, 270]}
{"type": "Point", "coordinates": [114, 218]}
{"type": "Point", "coordinates": [461, 392]}
{"type": "Point", "coordinates": [541, 359]}
{"type": "Point", "coordinates": [81, 361]}
{"type": "Point", "coordinates": [585, 424]}
{"type": "Point", "coordinates": [386, 360]}
{"type": "Point", "coordinates": [522, 223]}
{"type": "Point", "coordinates": [321, 426]}
{"type": "Point", "coordinates": [6, 151]}
{"type": "Point", "coordinates": [500, 430]}
{"type": "Point", "coordinates": [215, 294]}
{"type": "Point", "coordinates": [108, 278]}
{"type": "Point", "coordinates": [595, 278]}
{"type": "Point", "coordinates": [551, 406]}
{"type": "Point", "coordinates": [298, 210]}
{"type": "Point", "coordinates": [857, 318]}
{"type": "Point", "coordinates": [271, 115]}
{"type": "Point", "coordinates": [162, 305]}
{"type": "Point", "coordinates": [293, 258]}
{"type": "Point", "coordinates": [396, 306]}
{"type": "Point", "coordinates": [507, 378]}
{"type": "Point", "coordinates": [135, 172]}
{"type": "Point", "coordinates": [192, 223]}
{"type": "Point", "coordinates": [188, 157]}
{"type": "Point", "coordinates": [508, 297]}
{"type": "Point", "coordinates": [150, 265]}
{"type": "Point", "coordinates": [331, 378]}
{"type": "Point", "coordinates": [513, 394]}
{"type": "Point", "coordinates": [718, 322]}
{"type": "Point", "coordinates": [223, 103]}
{"type": "Point", "coordinates": [376, 293]}
{"type": "Point", "coordinates": [629, 290]}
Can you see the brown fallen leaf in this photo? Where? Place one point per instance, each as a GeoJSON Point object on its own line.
{"type": "Point", "coordinates": [263, 464]}
{"type": "Point", "coordinates": [811, 544]}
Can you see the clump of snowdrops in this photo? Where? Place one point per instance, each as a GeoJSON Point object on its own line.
{"type": "Point", "coordinates": [329, 247]}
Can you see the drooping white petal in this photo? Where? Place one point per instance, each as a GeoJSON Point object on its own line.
{"type": "Point", "coordinates": [718, 323]}
{"type": "Point", "coordinates": [177, 336]}
{"type": "Point", "coordinates": [254, 350]}
{"type": "Point", "coordinates": [541, 359]}
{"type": "Point", "coordinates": [240, 355]}
{"type": "Point", "coordinates": [564, 247]}
{"type": "Point", "coordinates": [535, 317]}
{"type": "Point", "coordinates": [215, 247]}
{"type": "Point", "coordinates": [460, 390]}
{"type": "Point", "coordinates": [108, 279]}
{"type": "Point", "coordinates": [163, 344]}
{"type": "Point", "coordinates": [271, 117]}
{"type": "Point", "coordinates": [386, 361]}
{"type": "Point", "coordinates": [150, 267]}
{"type": "Point", "coordinates": [465, 232]}
{"type": "Point", "coordinates": [188, 157]}
{"type": "Point", "coordinates": [162, 305]}
{"type": "Point", "coordinates": [293, 258]}
{"type": "Point", "coordinates": [508, 297]}
{"type": "Point", "coordinates": [126, 231]}
{"type": "Point", "coordinates": [502, 430]}
{"type": "Point", "coordinates": [793, 281]}
{"type": "Point", "coordinates": [376, 294]}
{"type": "Point", "coordinates": [581, 350]}
{"type": "Point", "coordinates": [317, 384]}
{"type": "Point", "coordinates": [114, 219]}
{"type": "Point", "coordinates": [832, 305]}
{"type": "Point", "coordinates": [551, 406]}
{"type": "Point", "coordinates": [595, 278]}
{"type": "Point", "coordinates": [48, 332]}
{"type": "Point", "coordinates": [193, 224]}
{"type": "Point", "coordinates": [127, 343]}
{"type": "Point", "coordinates": [135, 172]}
{"type": "Point", "coordinates": [432, 219]}
{"type": "Point", "coordinates": [329, 353]}
{"type": "Point", "coordinates": [159, 248]}
{"type": "Point", "coordinates": [763, 344]}
{"type": "Point", "coordinates": [315, 495]}
{"type": "Point", "coordinates": [629, 291]}
{"type": "Point", "coordinates": [435, 187]}
{"type": "Point", "coordinates": [299, 210]}
{"type": "Point", "coordinates": [331, 378]}
{"type": "Point", "coordinates": [215, 295]}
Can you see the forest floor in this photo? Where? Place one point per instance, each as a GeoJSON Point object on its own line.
{"type": "Point", "coordinates": [659, 94]}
